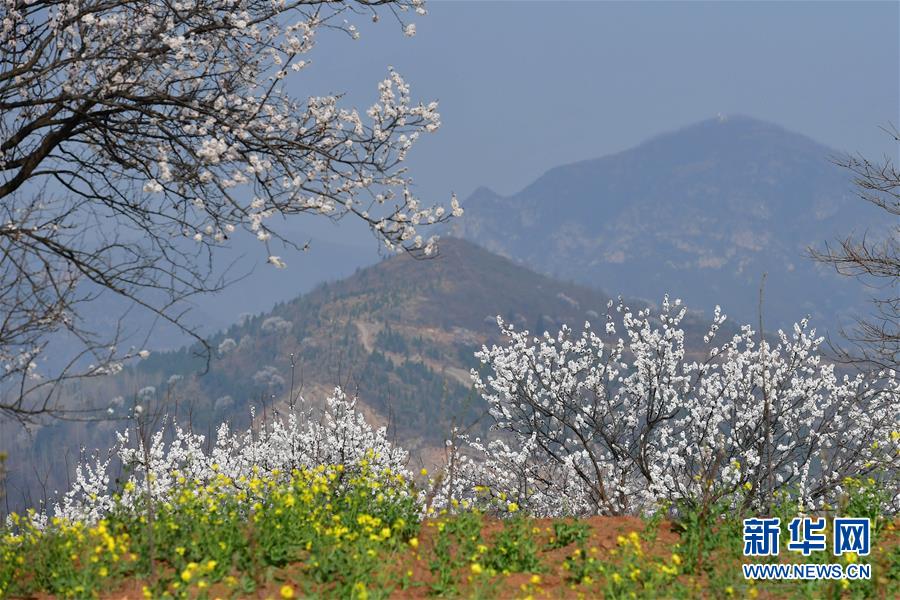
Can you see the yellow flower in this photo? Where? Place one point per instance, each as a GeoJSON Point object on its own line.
{"type": "Point", "coordinates": [666, 569]}
{"type": "Point", "coordinates": [359, 591]}
{"type": "Point", "coordinates": [287, 592]}
{"type": "Point", "coordinates": [535, 579]}
{"type": "Point", "coordinates": [414, 542]}
{"type": "Point", "coordinates": [424, 472]}
{"type": "Point", "coordinates": [676, 559]}
{"type": "Point", "coordinates": [729, 590]}
{"type": "Point", "coordinates": [476, 568]}
{"type": "Point", "coordinates": [186, 575]}
{"type": "Point", "coordinates": [512, 507]}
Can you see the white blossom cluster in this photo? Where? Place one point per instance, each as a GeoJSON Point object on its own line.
{"type": "Point", "coordinates": [626, 422]}
{"type": "Point", "coordinates": [188, 101]}
{"type": "Point", "coordinates": [495, 474]}
{"type": "Point", "coordinates": [337, 436]}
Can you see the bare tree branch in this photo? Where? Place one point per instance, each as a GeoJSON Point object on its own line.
{"type": "Point", "coordinates": [137, 137]}
{"type": "Point", "coordinates": [876, 263]}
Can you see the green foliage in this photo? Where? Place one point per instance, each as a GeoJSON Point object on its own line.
{"type": "Point", "coordinates": [515, 549]}
{"type": "Point", "coordinates": [706, 530]}
{"type": "Point", "coordinates": [457, 543]}
{"type": "Point", "coordinates": [568, 531]}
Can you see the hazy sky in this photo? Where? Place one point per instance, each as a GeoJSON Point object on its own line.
{"type": "Point", "coordinates": [525, 86]}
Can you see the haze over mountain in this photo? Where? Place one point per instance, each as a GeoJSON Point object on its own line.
{"type": "Point", "coordinates": [700, 213]}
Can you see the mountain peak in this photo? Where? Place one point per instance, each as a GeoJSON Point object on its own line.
{"type": "Point", "coordinates": [736, 128]}
{"type": "Point", "coordinates": [483, 194]}
{"type": "Point", "coordinates": [701, 212]}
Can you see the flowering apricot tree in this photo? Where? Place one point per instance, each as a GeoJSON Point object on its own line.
{"type": "Point", "coordinates": [138, 136]}
{"type": "Point", "coordinates": [620, 424]}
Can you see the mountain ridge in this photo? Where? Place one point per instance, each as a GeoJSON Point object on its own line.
{"type": "Point", "coordinates": [701, 212]}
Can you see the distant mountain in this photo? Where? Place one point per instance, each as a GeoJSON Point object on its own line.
{"type": "Point", "coordinates": [700, 213]}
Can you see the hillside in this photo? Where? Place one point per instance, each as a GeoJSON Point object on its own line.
{"type": "Point", "coordinates": [401, 334]}
{"type": "Point", "coordinates": [700, 213]}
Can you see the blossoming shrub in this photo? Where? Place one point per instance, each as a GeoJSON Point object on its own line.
{"type": "Point", "coordinates": [620, 423]}
{"type": "Point", "coordinates": [322, 485]}
{"type": "Point", "coordinates": [339, 435]}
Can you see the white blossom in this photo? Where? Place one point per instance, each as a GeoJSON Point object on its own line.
{"type": "Point", "coordinates": [339, 434]}
{"type": "Point", "coordinates": [620, 425]}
